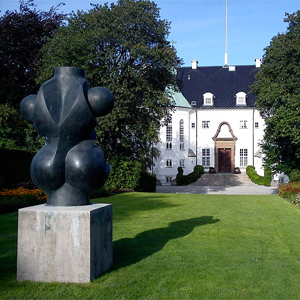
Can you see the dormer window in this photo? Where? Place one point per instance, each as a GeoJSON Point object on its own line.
{"type": "Point", "coordinates": [193, 103]}
{"type": "Point", "coordinates": [208, 99]}
{"type": "Point", "coordinates": [241, 98]}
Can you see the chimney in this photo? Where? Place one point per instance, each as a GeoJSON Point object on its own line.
{"type": "Point", "coordinates": [194, 64]}
{"type": "Point", "coordinates": [257, 62]}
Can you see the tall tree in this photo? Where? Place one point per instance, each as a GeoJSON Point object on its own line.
{"type": "Point", "coordinates": [278, 97]}
{"type": "Point", "coordinates": [22, 35]}
{"type": "Point", "coordinates": [123, 47]}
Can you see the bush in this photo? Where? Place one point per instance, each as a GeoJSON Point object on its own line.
{"type": "Point", "coordinates": [147, 183]}
{"type": "Point", "coordinates": [191, 177]}
{"type": "Point", "coordinates": [14, 167]}
{"type": "Point", "coordinates": [129, 175]}
{"type": "Point", "coordinates": [102, 192]}
{"type": "Point", "coordinates": [295, 175]}
{"type": "Point", "coordinates": [12, 200]}
{"type": "Point", "coordinates": [261, 180]}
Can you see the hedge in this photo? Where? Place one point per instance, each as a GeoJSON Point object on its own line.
{"type": "Point", "coordinates": [191, 177]}
{"type": "Point", "coordinates": [14, 167]}
{"type": "Point", "coordinates": [261, 180]}
{"type": "Point", "coordinates": [128, 174]}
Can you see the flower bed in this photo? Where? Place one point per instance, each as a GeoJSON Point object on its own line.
{"type": "Point", "coordinates": [13, 199]}
{"type": "Point", "coordinates": [290, 191]}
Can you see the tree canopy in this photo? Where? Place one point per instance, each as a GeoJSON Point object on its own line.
{"type": "Point", "coordinates": [22, 34]}
{"type": "Point", "coordinates": [123, 47]}
{"type": "Point", "coordinates": [278, 97]}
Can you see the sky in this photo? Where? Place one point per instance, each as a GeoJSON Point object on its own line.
{"type": "Point", "coordinates": [198, 26]}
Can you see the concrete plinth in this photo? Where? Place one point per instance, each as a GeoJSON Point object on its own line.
{"type": "Point", "coordinates": [64, 244]}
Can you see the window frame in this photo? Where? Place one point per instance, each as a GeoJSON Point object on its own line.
{"type": "Point", "coordinates": [208, 99]}
{"type": "Point", "coordinates": [206, 155]}
{"type": "Point", "coordinates": [181, 134]}
{"type": "Point", "coordinates": [181, 163]}
{"type": "Point", "coordinates": [205, 124]}
{"type": "Point", "coordinates": [241, 99]}
{"type": "Point", "coordinates": [243, 157]}
{"type": "Point", "coordinates": [169, 136]}
{"type": "Point", "coordinates": [243, 124]}
{"type": "Point", "coordinates": [169, 163]}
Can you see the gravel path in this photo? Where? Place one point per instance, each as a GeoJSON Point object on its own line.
{"type": "Point", "coordinates": [230, 184]}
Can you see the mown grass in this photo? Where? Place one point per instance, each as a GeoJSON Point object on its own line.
{"type": "Point", "coordinates": [171, 246]}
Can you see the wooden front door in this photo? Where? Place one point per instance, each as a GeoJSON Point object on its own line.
{"type": "Point", "coordinates": [224, 160]}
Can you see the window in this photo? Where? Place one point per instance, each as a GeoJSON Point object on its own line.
{"type": "Point", "coordinates": [208, 99]}
{"type": "Point", "coordinates": [256, 125]}
{"type": "Point", "coordinates": [168, 179]}
{"type": "Point", "coordinates": [193, 125]}
{"type": "Point", "coordinates": [169, 163]}
{"type": "Point", "coordinates": [205, 124]}
{"type": "Point", "coordinates": [193, 103]}
{"type": "Point", "coordinates": [169, 136]}
{"type": "Point", "coordinates": [181, 134]}
{"type": "Point", "coordinates": [241, 98]}
{"type": "Point", "coordinates": [206, 157]}
{"type": "Point", "coordinates": [243, 124]}
{"type": "Point", "coordinates": [243, 157]}
{"type": "Point", "coordinates": [181, 163]}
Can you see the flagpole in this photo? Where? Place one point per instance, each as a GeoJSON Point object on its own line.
{"type": "Point", "coordinates": [226, 29]}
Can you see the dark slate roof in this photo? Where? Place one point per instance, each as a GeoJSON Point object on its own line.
{"type": "Point", "coordinates": [219, 81]}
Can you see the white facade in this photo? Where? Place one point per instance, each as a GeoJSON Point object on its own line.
{"type": "Point", "coordinates": [219, 137]}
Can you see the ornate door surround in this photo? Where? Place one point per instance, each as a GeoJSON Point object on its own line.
{"type": "Point", "coordinates": [224, 149]}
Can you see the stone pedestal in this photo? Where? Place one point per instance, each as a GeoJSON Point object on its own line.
{"type": "Point", "coordinates": [64, 244]}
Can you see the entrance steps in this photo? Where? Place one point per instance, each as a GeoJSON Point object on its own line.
{"type": "Point", "coordinates": [223, 179]}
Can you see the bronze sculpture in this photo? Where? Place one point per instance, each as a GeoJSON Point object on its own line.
{"type": "Point", "coordinates": [70, 166]}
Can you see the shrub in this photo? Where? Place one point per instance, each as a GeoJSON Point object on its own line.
{"type": "Point", "coordinates": [147, 183]}
{"type": "Point", "coordinates": [23, 192]}
{"type": "Point", "coordinates": [102, 192]}
{"type": "Point", "coordinates": [129, 175]}
{"type": "Point", "coordinates": [12, 200]}
{"type": "Point", "coordinates": [295, 175]}
{"type": "Point", "coordinates": [14, 167]}
{"type": "Point", "coordinates": [191, 177]}
{"type": "Point", "coordinates": [261, 180]}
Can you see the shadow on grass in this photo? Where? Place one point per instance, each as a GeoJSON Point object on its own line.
{"type": "Point", "coordinates": [129, 251]}
{"type": "Point", "coordinates": [127, 204]}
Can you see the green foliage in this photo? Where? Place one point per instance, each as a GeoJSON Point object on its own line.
{"type": "Point", "coordinates": [261, 180]}
{"type": "Point", "coordinates": [191, 177]}
{"type": "Point", "coordinates": [15, 132]}
{"type": "Point", "coordinates": [14, 167]}
{"type": "Point", "coordinates": [124, 48]}
{"type": "Point", "coordinates": [22, 34]}
{"type": "Point", "coordinates": [147, 183]}
{"type": "Point", "coordinates": [124, 174]}
{"type": "Point", "coordinates": [277, 89]}
{"type": "Point", "coordinates": [294, 176]}
{"type": "Point", "coordinates": [129, 175]}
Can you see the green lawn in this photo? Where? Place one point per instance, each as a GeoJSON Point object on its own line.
{"type": "Point", "coordinates": [171, 246]}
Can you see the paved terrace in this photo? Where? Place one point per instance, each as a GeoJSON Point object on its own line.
{"type": "Point", "coordinates": [230, 184]}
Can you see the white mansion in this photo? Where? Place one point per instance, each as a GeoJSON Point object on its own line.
{"type": "Point", "coordinates": [215, 123]}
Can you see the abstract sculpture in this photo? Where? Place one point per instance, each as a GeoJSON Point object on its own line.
{"type": "Point", "coordinates": [69, 167]}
